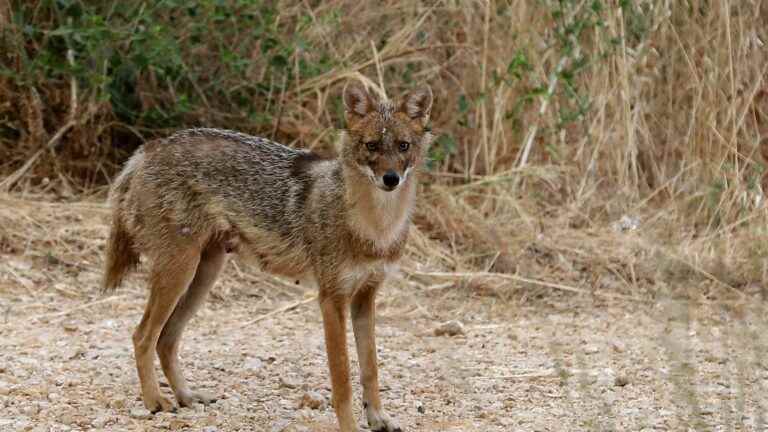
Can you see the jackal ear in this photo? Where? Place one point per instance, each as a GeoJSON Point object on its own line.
{"type": "Point", "coordinates": [418, 104]}
{"type": "Point", "coordinates": [357, 101]}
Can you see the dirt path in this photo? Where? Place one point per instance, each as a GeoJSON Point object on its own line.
{"type": "Point", "coordinates": [66, 361]}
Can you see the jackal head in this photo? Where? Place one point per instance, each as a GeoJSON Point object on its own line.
{"type": "Point", "coordinates": [386, 140]}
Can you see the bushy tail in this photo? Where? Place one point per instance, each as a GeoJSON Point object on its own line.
{"type": "Point", "coordinates": [122, 256]}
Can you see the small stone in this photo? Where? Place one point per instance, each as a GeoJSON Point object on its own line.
{"type": "Point", "coordinates": [253, 364]}
{"type": "Point", "coordinates": [621, 380]}
{"type": "Point", "coordinates": [31, 410]}
{"type": "Point", "coordinates": [70, 326]}
{"type": "Point", "coordinates": [603, 377]}
{"type": "Point", "coordinates": [312, 400]}
{"type": "Point", "coordinates": [141, 413]}
{"type": "Point", "coordinates": [421, 410]}
{"type": "Point", "coordinates": [591, 349]}
{"type": "Point", "coordinates": [117, 403]}
{"type": "Point", "coordinates": [450, 328]}
{"type": "Point", "coordinates": [178, 424]}
{"type": "Point", "coordinates": [289, 383]}
{"type": "Point", "coordinates": [280, 425]}
{"type": "Point", "coordinates": [67, 418]}
{"type": "Point", "coordinates": [99, 422]}
{"type": "Point", "coordinates": [210, 429]}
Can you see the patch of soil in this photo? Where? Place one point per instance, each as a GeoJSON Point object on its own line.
{"type": "Point", "coordinates": [555, 361]}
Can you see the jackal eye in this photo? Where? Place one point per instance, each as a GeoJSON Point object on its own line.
{"type": "Point", "coordinates": [372, 145]}
{"type": "Point", "coordinates": [403, 146]}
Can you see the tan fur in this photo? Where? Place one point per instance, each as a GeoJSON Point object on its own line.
{"type": "Point", "coordinates": [186, 201]}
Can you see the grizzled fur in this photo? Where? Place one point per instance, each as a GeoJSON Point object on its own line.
{"type": "Point", "coordinates": [187, 200]}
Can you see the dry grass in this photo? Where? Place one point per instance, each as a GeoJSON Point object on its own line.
{"type": "Point", "coordinates": [670, 133]}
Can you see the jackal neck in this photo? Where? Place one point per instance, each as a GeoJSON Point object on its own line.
{"type": "Point", "coordinates": [374, 214]}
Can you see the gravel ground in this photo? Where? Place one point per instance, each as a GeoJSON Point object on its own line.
{"type": "Point", "coordinates": [557, 364]}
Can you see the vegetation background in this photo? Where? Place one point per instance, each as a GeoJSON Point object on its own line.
{"type": "Point", "coordinates": [583, 111]}
{"type": "Point", "coordinates": [608, 149]}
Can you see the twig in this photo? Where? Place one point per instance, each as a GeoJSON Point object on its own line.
{"type": "Point", "coordinates": [377, 62]}
{"type": "Point", "coordinates": [335, 75]}
{"type": "Point", "coordinates": [547, 373]}
{"type": "Point", "coordinates": [79, 307]}
{"type": "Point", "coordinates": [524, 280]}
{"type": "Point", "coordinates": [285, 308]}
{"type": "Point", "coordinates": [280, 109]}
{"type": "Point", "coordinates": [23, 282]}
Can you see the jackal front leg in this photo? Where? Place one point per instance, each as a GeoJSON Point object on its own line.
{"type": "Point", "coordinates": [363, 323]}
{"type": "Point", "coordinates": [334, 308]}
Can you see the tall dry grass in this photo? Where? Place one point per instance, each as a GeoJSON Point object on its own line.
{"type": "Point", "coordinates": [555, 118]}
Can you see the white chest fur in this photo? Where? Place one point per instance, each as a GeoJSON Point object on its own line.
{"type": "Point", "coordinates": [382, 216]}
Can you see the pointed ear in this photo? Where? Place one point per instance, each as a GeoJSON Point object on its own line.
{"type": "Point", "coordinates": [357, 101]}
{"type": "Point", "coordinates": [418, 104]}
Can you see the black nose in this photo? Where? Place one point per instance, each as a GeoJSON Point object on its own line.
{"type": "Point", "coordinates": [391, 179]}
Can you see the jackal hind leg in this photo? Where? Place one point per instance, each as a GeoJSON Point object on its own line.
{"type": "Point", "coordinates": [169, 278]}
{"type": "Point", "coordinates": [212, 261]}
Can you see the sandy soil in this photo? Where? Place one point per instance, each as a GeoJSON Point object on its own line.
{"type": "Point", "coordinates": [553, 364]}
{"type": "Point", "coordinates": [531, 358]}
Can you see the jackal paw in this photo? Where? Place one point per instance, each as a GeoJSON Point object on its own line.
{"type": "Point", "coordinates": [159, 403]}
{"type": "Point", "coordinates": [189, 398]}
{"type": "Point", "coordinates": [380, 422]}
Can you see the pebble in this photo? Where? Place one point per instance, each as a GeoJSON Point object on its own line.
{"type": "Point", "coordinates": [621, 380]}
{"type": "Point", "coordinates": [312, 400]}
{"type": "Point", "coordinates": [70, 326]}
{"type": "Point", "coordinates": [117, 403]}
{"type": "Point", "coordinates": [141, 413]}
{"type": "Point", "coordinates": [99, 422]}
{"type": "Point", "coordinates": [288, 383]}
{"type": "Point", "coordinates": [31, 410]}
{"type": "Point", "coordinates": [178, 424]}
{"type": "Point", "coordinates": [253, 364]}
{"type": "Point", "coordinates": [280, 426]}
{"type": "Point", "coordinates": [591, 349]}
{"type": "Point", "coordinates": [450, 328]}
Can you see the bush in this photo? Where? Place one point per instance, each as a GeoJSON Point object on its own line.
{"type": "Point", "coordinates": [639, 99]}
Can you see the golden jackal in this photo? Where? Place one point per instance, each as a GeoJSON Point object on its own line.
{"type": "Point", "coordinates": [187, 201]}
